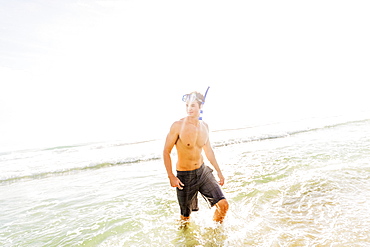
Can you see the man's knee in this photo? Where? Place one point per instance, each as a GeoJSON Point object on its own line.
{"type": "Point", "coordinates": [223, 205]}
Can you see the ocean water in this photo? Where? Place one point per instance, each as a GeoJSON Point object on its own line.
{"type": "Point", "coordinates": [295, 183]}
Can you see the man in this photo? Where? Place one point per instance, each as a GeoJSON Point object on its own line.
{"type": "Point", "coordinates": [191, 136]}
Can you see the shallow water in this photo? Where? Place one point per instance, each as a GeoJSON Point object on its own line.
{"type": "Point", "coordinates": [310, 188]}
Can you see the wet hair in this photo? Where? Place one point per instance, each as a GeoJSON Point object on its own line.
{"type": "Point", "coordinates": [200, 97]}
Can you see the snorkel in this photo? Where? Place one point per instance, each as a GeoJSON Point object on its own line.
{"type": "Point", "coordinates": [193, 97]}
{"type": "Point", "coordinates": [204, 100]}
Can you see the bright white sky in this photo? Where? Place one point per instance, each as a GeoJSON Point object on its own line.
{"type": "Point", "coordinates": [81, 70]}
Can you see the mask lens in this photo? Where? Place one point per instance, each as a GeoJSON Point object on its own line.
{"type": "Point", "coordinates": [185, 97]}
{"type": "Point", "coordinates": [190, 97]}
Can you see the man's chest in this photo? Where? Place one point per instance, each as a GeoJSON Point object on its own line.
{"type": "Point", "coordinates": [191, 135]}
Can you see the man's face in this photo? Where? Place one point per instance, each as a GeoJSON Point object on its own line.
{"type": "Point", "coordinates": [192, 108]}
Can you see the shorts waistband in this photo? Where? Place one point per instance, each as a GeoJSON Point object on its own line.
{"type": "Point", "coordinates": [192, 171]}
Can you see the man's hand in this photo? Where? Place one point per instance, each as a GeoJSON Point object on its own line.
{"type": "Point", "coordinates": [222, 179]}
{"type": "Point", "coordinates": [175, 182]}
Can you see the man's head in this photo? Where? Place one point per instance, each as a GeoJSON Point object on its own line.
{"type": "Point", "coordinates": [193, 102]}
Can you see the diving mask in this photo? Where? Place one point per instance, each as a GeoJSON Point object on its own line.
{"type": "Point", "coordinates": [191, 97]}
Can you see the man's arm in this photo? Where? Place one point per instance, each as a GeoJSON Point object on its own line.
{"type": "Point", "coordinates": [171, 139]}
{"type": "Point", "coordinates": [211, 157]}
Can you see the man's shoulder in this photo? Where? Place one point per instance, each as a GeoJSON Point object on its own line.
{"type": "Point", "coordinates": [177, 124]}
{"type": "Point", "coordinates": [205, 124]}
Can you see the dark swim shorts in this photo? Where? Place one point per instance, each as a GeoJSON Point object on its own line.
{"type": "Point", "coordinates": [201, 180]}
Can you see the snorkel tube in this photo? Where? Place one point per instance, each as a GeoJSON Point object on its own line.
{"type": "Point", "coordinates": [204, 100]}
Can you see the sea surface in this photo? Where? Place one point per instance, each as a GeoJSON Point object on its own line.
{"type": "Point", "coordinates": [294, 183]}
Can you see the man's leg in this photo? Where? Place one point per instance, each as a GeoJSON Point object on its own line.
{"type": "Point", "coordinates": [221, 209]}
{"type": "Point", "coordinates": [187, 198]}
{"type": "Point", "coordinates": [193, 207]}
{"type": "Point", "coordinates": [185, 219]}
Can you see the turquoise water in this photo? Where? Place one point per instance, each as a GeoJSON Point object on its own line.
{"type": "Point", "coordinates": [303, 183]}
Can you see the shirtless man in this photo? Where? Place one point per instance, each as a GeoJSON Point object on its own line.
{"type": "Point", "coordinates": [191, 136]}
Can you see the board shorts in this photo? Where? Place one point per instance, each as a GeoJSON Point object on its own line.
{"type": "Point", "coordinates": [201, 180]}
